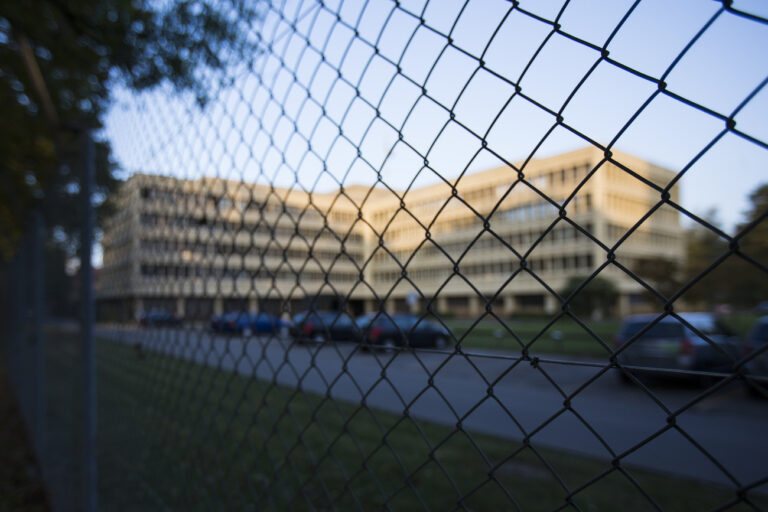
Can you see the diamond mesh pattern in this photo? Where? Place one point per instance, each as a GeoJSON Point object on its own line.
{"type": "Point", "coordinates": [339, 171]}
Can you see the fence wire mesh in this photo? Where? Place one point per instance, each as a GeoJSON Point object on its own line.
{"type": "Point", "coordinates": [314, 295]}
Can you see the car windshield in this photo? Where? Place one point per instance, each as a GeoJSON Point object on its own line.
{"type": "Point", "coordinates": [406, 322]}
{"type": "Point", "coordinates": [707, 324]}
{"type": "Point", "coordinates": [364, 320]}
{"type": "Point", "coordinates": [403, 322]}
{"type": "Point", "coordinates": [660, 330]}
{"type": "Point", "coordinates": [335, 318]}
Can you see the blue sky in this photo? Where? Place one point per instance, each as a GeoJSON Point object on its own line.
{"type": "Point", "coordinates": [279, 122]}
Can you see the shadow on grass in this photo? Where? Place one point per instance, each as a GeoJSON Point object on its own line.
{"type": "Point", "coordinates": [178, 435]}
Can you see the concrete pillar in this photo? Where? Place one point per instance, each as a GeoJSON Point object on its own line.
{"type": "Point", "coordinates": [623, 307]}
{"type": "Point", "coordinates": [253, 304]}
{"type": "Point", "coordinates": [138, 308]}
{"type": "Point", "coordinates": [442, 305]}
{"type": "Point", "coordinates": [181, 309]}
{"type": "Point", "coordinates": [551, 304]}
{"type": "Point", "coordinates": [369, 306]}
{"type": "Point", "coordinates": [476, 305]}
{"type": "Point", "coordinates": [218, 306]}
{"type": "Point", "coordinates": [509, 304]}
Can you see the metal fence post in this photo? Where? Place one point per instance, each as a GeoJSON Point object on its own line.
{"type": "Point", "coordinates": [86, 298]}
{"type": "Point", "coordinates": [22, 339]}
{"type": "Point", "coordinates": [38, 356]}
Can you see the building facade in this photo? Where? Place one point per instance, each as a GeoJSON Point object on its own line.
{"type": "Point", "coordinates": [498, 237]}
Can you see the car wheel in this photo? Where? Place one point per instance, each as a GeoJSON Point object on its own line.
{"type": "Point", "coordinates": [757, 389]}
{"type": "Point", "coordinates": [441, 343]}
{"type": "Point", "coordinates": [625, 377]}
{"type": "Point", "coordinates": [247, 331]}
{"type": "Point", "coordinates": [707, 381]}
{"type": "Point", "coordinates": [388, 345]}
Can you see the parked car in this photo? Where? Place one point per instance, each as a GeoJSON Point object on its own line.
{"type": "Point", "coordinates": [249, 323]}
{"type": "Point", "coordinates": [322, 326]}
{"type": "Point", "coordinates": [217, 322]}
{"type": "Point", "coordinates": [758, 365]}
{"type": "Point", "coordinates": [670, 344]}
{"type": "Point", "coordinates": [158, 317]}
{"type": "Point", "coordinates": [390, 331]}
{"type": "Point", "coordinates": [363, 321]}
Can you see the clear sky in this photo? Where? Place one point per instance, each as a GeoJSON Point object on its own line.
{"type": "Point", "coordinates": [279, 121]}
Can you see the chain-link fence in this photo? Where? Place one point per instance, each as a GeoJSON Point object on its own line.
{"type": "Point", "coordinates": [421, 255]}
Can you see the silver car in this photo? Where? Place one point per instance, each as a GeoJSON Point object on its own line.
{"type": "Point", "coordinates": [670, 344]}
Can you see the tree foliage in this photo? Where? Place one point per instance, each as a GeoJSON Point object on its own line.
{"type": "Point", "coordinates": [662, 274]}
{"type": "Point", "coordinates": [83, 49]}
{"type": "Point", "coordinates": [749, 284]}
{"type": "Point", "coordinates": [730, 274]}
{"type": "Point", "coordinates": [597, 298]}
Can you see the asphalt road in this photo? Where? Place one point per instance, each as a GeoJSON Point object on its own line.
{"type": "Point", "coordinates": [524, 399]}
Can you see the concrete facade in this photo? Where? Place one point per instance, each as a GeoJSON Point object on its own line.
{"type": "Point", "coordinates": [199, 247]}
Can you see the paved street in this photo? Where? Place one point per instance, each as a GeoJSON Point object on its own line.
{"type": "Point", "coordinates": [730, 425]}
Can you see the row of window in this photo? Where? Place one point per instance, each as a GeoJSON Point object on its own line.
{"type": "Point", "coordinates": [226, 203]}
{"type": "Point", "coordinates": [523, 213]}
{"type": "Point", "coordinates": [544, 209]}
{"type": "Point", "coordinates": [545, 180]}
{"type": "Point", "coordinates": [202, 249]}
{"type": "Point", "coordinates": [173, 221]}
{"type": "Point", "coordinates": [518, 239]}
{"type": "Point", "coordinates": [497, 269]}
{"type": "Point", "coordinates": [654, 238]}
{"type": "Point", "coordinates": [198, 271]}
{"type": "Point", "coordinates": [571, 177]}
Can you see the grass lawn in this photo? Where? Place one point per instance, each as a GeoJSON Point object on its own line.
{"type": "Point", "coordinates": [177, 435]}
{"type": "Point", "coordinates": [565, 336]}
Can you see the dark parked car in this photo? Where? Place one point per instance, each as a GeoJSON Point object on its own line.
{"type": "Point", "coordinates": [398, 330]}
{"type": "Point", "coordinates": [217, 322]}
{"type": "Point", "coordinates": [321, 326]}
{"type": "Point", "coordinates": [757, 341]}
{"type": "Point", "coordinates": [670, 344]}
{"type": "Point", "coordinates": [364, 321]}
{"type": "Point", "coordinates": [246, 323]}
{"type": "Point", "coordinates": [158, 317]}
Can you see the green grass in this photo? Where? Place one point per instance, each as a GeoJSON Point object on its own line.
{"type": "Point", "coordinates": [173, 434]}
{"type": "Point", "coordinates": [565, 336]}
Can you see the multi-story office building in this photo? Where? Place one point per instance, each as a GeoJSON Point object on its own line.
{"type": "Point", "coordinates": [202, 246]}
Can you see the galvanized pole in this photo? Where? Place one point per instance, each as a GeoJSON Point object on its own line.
{"type": "Point", "coordinates": [38, 350]}
{"type": "Point", "coordinates": [22, 296]}
{"type": "Point", "coordinates": [90, 503]}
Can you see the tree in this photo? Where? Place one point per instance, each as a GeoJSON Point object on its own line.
{"type": "Point", "coordinates": [748, 284]}
{"type": "Point", "coordinates": [596, 299]}
{"type": "Point", "coordinates": [60, 59]}
{"type": "Point", "coordinates": [741, 279]}
{"type": "Point", "coordinates": [703, 247]}
{"type": "Point", "coordinates": [663, 275]}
